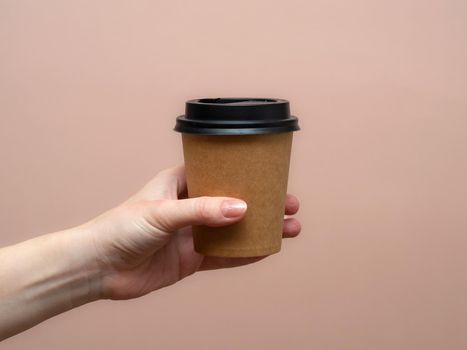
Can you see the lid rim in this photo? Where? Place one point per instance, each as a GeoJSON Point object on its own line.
{"type": "Point", "coordinates": [236, 132]}
{"type": "Point", "coordinates": [236, 116]}
{"type": "Point", "coordinates": [235, 127]}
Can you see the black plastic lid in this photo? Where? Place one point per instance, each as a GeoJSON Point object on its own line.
{"type": "Point", "coordinates": [236, 116]}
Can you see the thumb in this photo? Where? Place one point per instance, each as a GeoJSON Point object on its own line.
{"type": "Point", "coordinates": [170, 215]}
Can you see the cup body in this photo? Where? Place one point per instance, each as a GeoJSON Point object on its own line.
{"type": "Point", "coordinates": [250, 167]}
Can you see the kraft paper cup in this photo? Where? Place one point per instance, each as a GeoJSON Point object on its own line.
{"type": "Point", "coordinates": [239, 147]}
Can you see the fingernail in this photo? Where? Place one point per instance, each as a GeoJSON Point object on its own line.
{"type": "Point", "coordinates": [233, 208]}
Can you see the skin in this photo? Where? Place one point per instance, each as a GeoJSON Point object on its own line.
{"type": "Point", "coordinates": [140, 246]}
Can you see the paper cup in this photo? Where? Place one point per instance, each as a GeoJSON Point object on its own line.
{"type": "Point", "coordinates": [239, 148]}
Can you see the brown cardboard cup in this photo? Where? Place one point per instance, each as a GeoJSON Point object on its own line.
{"type": "Point", "coordinates": [252, 167]}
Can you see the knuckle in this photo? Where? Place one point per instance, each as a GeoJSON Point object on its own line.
{"type": "Point", "coordinates": [202, 210]}
{"type": "Point", "coordinates": [162, 173]}
{"type": "Point", "coordinates": [167, 172]}
{"type": "Point", "coordinates": [159, 219]}
{"type": "Point", "coordinates": [143, 206]}
{"type": "Point", "coordinates": [167, 181]}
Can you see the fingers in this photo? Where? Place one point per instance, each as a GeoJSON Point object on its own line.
{"type": "Point", "coordinates": [170, 215]}
{"type": "Point", "coordinates": [291, 228]}
{"type": "Point", "coordinates": [291, 204]}
{"type": "Point", "coordinates": [171, 184]}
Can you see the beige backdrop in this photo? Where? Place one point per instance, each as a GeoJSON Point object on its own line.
{"type": "Point", "coordinates": [88, 95]}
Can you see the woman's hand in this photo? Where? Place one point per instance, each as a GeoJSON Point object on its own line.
{"type": "Point", "coordinates": [146, 243]}
{"type": "Point", "coordinates": [142, 245]}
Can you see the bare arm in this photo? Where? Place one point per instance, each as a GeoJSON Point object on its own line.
{"type": "Point", "coordinates": [43, 277]}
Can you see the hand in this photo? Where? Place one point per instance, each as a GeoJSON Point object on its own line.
{"type": "Point", "coordinates": [142, 245]}
{"type": "Point", "coordinates": [146, 243]}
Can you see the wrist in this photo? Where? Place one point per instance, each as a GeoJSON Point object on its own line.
{"type": "Point", "coordinates": [79, 261]}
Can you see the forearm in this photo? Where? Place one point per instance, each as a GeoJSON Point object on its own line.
{"type": "Point", "coordinates": [43, 277]}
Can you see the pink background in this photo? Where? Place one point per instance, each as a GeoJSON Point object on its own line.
{"type": "Point", "coordinates": [88, 95]}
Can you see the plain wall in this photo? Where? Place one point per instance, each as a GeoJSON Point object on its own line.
{"type": "Point", "coordinates": [88, 95]}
